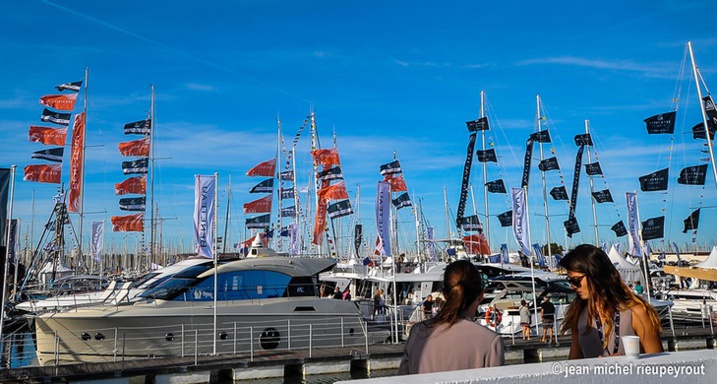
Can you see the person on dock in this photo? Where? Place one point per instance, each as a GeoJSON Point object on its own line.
{"type": "Point", "coordinates": [547, 313]}
{"type": "Point", "coordinates": [605, 308]}
{"type": "Point", "coordinates": [428, 307]}
{"type": "Point", "coordinates": [524, 312]}
{"type": "Point", "coordinates": [439, 344]}
{"type": "Point", "coordinates": [338, 294]}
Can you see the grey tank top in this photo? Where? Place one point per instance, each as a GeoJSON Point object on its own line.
{"type": "Point", "coordinates": [590, 342]}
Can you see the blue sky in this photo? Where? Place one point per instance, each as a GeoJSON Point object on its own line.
{"type": "Point", "coordinates": [384, 76]}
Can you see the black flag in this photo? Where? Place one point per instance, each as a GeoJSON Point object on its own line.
{"type": "Point", "coordinates": [288, 212]}
{"type": "Point", "coordinates": [548, 164]}
{"type": "Point", "coordinates": [331, 174]}
{"type": "Point", "coordinates": [287, 193]}
{"type": "Point", "coordinates": [466, 177]}
{"type": "Point", "coordinates": [571, 226]}
{"type": "Point", "coordinates": [136, 166]}
{"type": "Point", "coordinates": [478, 125]}
{"type": "Point", "coordinates": [141, 127]}
{"type": "Point", "coordinates": [402, 201]}
{"type": "Point", "coordinates": [559, 193]}
{"type": "Point", "coordinates": [266, 186]}
{"type": "Point", "coordinates": [655, 181]}
{"type": "Point", "coordinates": [583, 139]}
{"type": "Point", "coordinates": [603, 196]}
{"type": "Point", "coordinates": [653, 228]}
{"type": "Point", "coordinates": [593, 169]}
{"type": "Point", "coordinates": [662, 123]}
{"type": "Point", "coordinates": [692, 221]}
{"type": "Point", "coordinates": [391, 168]}
{"type": "Point", "coordinates": [340, 209]}
{"type": "Point", "coordinates": [52, 154]}
{"type": "Point", "coordinates": [694, 175]}
{"type": "Point", "coordinates": [526, 163]}
{"type": "Point", "coordinates": [471, 223]}
{"type": "Point", "coordinates": [487, 155]}
{"type": "Point", "coordinates": [358, 237]}
{"type": "Point", "coordinates": [576, 184]}
{"type": "Point", "coordinates": [132, 204]}
{"type": "Point", "coordinates": [258, 221]}
{"type": "Point", "coordinates": [496, 186]}
{"type": "Point", "coordinates": [619, 229]}
{"type": "Point", "coordinates": [698, 131]}
{"type": "Point", "coordinates": [506, 219]}
{"type": "Point", "coordinates": [4, 188]}
{"type": "Point", "coordinates": [286, 175]}
{"type": "Point", "coordinates": [55, 117]}
{"type": "Point", "coordinates": [541, 136]}
{"type": "Point", "coordinates": [73, 86]}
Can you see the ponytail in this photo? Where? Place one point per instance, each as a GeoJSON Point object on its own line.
{"type": "Point", "coordinates": [462, 284]}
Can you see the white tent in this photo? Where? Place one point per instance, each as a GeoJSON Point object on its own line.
{"type": "Point", "coordinates": [711, 261]}
{"type": "Point", "coordinates": [629, 272]}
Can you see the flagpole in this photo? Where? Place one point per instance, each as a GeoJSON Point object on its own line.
{"type": "Point", "coordinates": [545, 190]}
{"type": "Point", "coordinates": [151, 185]}
{"type": "Point", "coordinates": [642, 246]}
{"type": "Point", "coordinates": [216, 257]}
{"type": "Point", "coordinates": [486, 228]}
{"type": "Point", "coordinates": [592, 190]}
{"type": "Point", "coordinates": [702, 109]}
{"type": "Point", "coordinates": [7, 250]}
{"type": "Point", "coordinates": [82, 171]}
{"type": "Point", "coordinates": [530, 259]}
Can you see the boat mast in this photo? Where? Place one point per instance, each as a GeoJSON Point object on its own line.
{"type": "Point", "coordinates": [11, 199]}
{"type": "Point", "coordinates": [705, 123]}
{"type": "Point", "coordinates": [486, 222]}
{"type": "Point", "coordinates": [277, 180]}
{"type": "Point", "coordinates": [445, 210]}
{"type": "Point", "coordinates": [151, 174]}
{"type": "Point", "coordinates": [538, 121]}
{"type": "Point", "coordinates": [592, 190]}
{"type": "Point", "coordinates": [225, 240]}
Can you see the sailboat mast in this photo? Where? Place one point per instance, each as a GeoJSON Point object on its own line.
{"type": "Point", "coordinates": [592, 190]}
{"type": "Point", "coordinates": [277, 180]}
{"type": "Point", "coordinates": [539, 119]}
{"type": "Point", "coordinates": [695, 71]}
{"type": "Point", "coordinates": [486, 221]}
{"type": "Point", "coordinates": [151, 178]}
{"type": "Point", "coordinates": [445, 209]}
{"type": "Point", "coordinates": [225, 240]}
{"type": "Point", "coordinates": [295, 237]}
{"type": "Point", "coordinates": [314, 146]}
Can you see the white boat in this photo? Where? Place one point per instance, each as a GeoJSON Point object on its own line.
{"type": "Point", "coordinates": [262, 304]}
{"type": "Point", "coordinates": [693, 304]}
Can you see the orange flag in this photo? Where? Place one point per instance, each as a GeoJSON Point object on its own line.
{"type": "Point", "coordinates": [135, 148]}
{"type": "Point", "coordinates": [325, 157]}
{"type": "Point", "coordinates": [333, 192]}
{"type": "Point", "coordinates": [129, 223]}
{"type": "Point", "coordinates": [265, 168]}
{"type": "Point", "coordinates": [47, 135]}
{"type": "Point", "coordinates": [398, 184]}
{"type": "Point", "coordinates": [262, 205]}
{"type": "Point", "coordinates": [136, 185]}
{"type": "Point", "coordinates": [65, 102]}
{"type": "Point", "coordinates": [77, 164]}
{"type": "Point", "coordinates": [43, 173]}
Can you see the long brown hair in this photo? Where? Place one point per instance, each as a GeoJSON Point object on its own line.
{"type": "Point", "coordinates": [608, 293]}
{"type": "Point", "coordinates": [462, 284]}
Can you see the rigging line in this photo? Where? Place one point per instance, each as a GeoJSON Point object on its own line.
{"type": "Point", "coordinates": [174, 50]}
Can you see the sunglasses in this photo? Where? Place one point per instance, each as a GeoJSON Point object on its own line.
{"type": "Point", "coordinates": [575, 280]}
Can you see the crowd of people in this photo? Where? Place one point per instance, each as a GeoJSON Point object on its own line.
{"type": "Point", "coordinates": [604, 310]}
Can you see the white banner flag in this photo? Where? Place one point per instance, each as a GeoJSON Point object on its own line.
{"type": "Point", "coordinates": [520, 221]}
{"type": "Point", "coordinates": [383, 199]}
{"type": "Point", "coordinates": [633, 224]}
{"type": "Point", "coordinates": [204, 215]}
{"type": "Point", "coordinates": [98, 239]}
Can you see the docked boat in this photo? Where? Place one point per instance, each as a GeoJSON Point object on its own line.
{"type": "Point", "coordinates": [693, 304]}
{"type": "Point", "coordinates": [265, 303]}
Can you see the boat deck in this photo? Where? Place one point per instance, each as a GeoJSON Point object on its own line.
{"type": "Point", "coordinates": [356, 358]}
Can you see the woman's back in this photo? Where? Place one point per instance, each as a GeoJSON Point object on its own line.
{"type": "Point", "coordinates": [437, 348]}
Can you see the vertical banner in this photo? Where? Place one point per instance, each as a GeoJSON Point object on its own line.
{"type": "Point", "coordinates": [294, 243]}
{"type": "Point", "coordinates": [576, 181]}
{"type": "Point", "coordinates": [76, 164]}
{"type": "Point", "coordinates": [466, 180]}
{"type": "Point", "coordinates": [539, 255]}
{"type": "Point", "coordinates": [358, 238]}
{"type": "Point", "coordinates": [383, 209]}
{"type": "Point", "coordinates": [98, 239]}
{"type": "Point", "coordinates": [526, 162]}
{"type": "Point", "coordinates": [12, 241]}
{"type": "Point", "coordinates": [520, 220]}
{"type": "Point", "coordinates": [431, 244]}
{"type": "Point", "coordinates": [633, 224]}
{"type": "Point", "coordinates": [4, 188]}
{"type": "Point", "coordinates": [204, 215]}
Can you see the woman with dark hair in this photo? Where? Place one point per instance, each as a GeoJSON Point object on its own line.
{"type": "Point", "coordinates": [605, 308]}
{"type": "Point", "coordinates": [439, 344]}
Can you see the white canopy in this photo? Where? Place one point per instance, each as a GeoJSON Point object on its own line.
{"type": "Point", "coordinates": [711, 261]}
{"type": "Point", "coordinates": [629, 272]}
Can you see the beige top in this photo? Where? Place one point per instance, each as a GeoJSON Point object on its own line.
{"type": "Point", "coordinates": [439, 348]}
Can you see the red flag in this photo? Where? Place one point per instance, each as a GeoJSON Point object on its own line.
{"type": "Point", "coordinates": [64, 102]}
{"type": "Point", "coordinates": [319, 224]}
{"type": "Point", "coordinates": [325, 157]}
{"type": "Point", "coordinates": [266, 168]}
{"type": "Point", "coordinates": [43, 173]}
{"type": "Point", "coordinates": [477, 244]}
{"type": "Point", "coordinates": [129, 223]}
{"type": "Point", "coordinates": [77, 160]}
{"type": "Point", "coordinates": [135, 148]}
{"type": "Point", "coordinates": [47, 135]}
{"type": "Point", "coordinates": [398, 184]}
{"type": "Point", "coordinates": [333, 192]}
{"type": "Point", "coordinates": [262, 205]}
{"type": "Point", "coordinates": [136, 185]}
